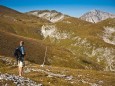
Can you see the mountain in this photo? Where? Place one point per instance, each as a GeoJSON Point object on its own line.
{"type": "Point", "coordinates": [96, 16]}
{"type": "Point", "coordinates": [51, 15]}
{"type": "Point", "coordinates": [76, 52]}
{"type": "Point", "coordinates": [71, 42]}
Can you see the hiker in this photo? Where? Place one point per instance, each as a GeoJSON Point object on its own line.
{"type": "Point", "coordinates": [19, 54]}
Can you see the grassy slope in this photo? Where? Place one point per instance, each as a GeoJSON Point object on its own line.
{"type": "Point", "coordinates": [16, 26]}
{"type": "Point", "coordinates": [62, 51]}
{"type": "Point", "coordinates": [17, 23]}
{"type": "Point", "coordinates": [108, 22]}
{"type": "Point", "coordinates": [80, 77]}
{"type": "Point", "coordinates": [21, 24]}
{"type": "Point", "coordinates": [34, 48]}
{"type": "Point", "coordinates": [85, 29]}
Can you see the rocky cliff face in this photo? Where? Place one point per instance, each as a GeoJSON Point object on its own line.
{"type": "Point", "coordinates": [52, 16]}
{"type": "Point", "coordinates": [109, 35]}
{"type": "Point", "coordinates": [52, 32]}
{"type": "Point", "coordinates": [96, 16]}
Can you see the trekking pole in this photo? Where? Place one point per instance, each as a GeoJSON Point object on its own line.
{"type": "Point", "coordinates": [44, 57]}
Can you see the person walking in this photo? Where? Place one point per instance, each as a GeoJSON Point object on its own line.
{"type": "Point", "coordinates": [21, 58]}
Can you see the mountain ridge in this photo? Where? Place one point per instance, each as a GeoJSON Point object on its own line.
{"type": "Point", "coordinates": [51, 15]}
{"type": "Point", "coordinates": [95, 11]}
{"type": "Point", "coordinates": [95, 16]}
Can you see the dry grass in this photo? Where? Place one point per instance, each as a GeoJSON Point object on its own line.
{"type": "Point", "coordinates": [90, 76]}
{"type": "Point", "coordinates": [34, 49]}
{"type": "Point", "coordinates": [16, 26]}
{"type": "Point", "coordinates": [20, 24]}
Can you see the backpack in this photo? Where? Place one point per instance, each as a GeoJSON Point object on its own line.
{"type": "Point", "coordinates": [17, 52]}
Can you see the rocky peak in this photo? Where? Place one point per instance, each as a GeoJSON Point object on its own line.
{"type": "Point", "coordinates": [96, 16]}
{"type": "Point", "coordinates": [51, 15]}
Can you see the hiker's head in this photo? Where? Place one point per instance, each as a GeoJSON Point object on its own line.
{"type": "Point", "coordinates": [21, 43]}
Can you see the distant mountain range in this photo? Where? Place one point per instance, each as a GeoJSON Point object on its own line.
{"type": "Point", "coordinates": [51, 15]}
{"type": "Point", "coordinates": [93, 16]}
{"type": "Point", "coordinates": [96, 16]}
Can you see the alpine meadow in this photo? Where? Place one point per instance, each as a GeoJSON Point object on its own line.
{"type": "Point", "coordinates": [61, 50]}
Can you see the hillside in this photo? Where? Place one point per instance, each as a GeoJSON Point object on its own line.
{"type": "Point", "coordinates": [71, 42]}
{"type": "Point", "coordinates": [20, 24]}
{"type": "Point", "coordinates": [36, 75]}
{"type": "Point", "coordinates": [110, 22]}
{"type": "Point", "coordinates": [109, 30]}
{"type": "Point", "coordinates": [10, 41]}
{"type": "Point", "coordinates": [81, 44]}
{"type": "Point", "coordinates": [78, 53]}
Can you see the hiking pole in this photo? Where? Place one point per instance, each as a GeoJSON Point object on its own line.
{"type": "Point", "coordinates": [44, 57]}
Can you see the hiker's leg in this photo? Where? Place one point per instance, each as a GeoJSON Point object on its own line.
{"type": "Point", "coordinates": [19, 67]}
{"type": "Point", "coordinates": [22, 65]}
{"type": "Point", "coordinates": [20, 70]}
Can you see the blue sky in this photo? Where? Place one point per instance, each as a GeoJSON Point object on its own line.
{"type": "Point", "coordinates": [71, 7]}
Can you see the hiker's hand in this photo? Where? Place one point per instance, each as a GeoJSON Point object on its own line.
{"type": "Point", "coordinates": [24, 54]}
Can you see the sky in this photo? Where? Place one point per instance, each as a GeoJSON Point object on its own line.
{"type": "Point", "coordinates": [74, 8]}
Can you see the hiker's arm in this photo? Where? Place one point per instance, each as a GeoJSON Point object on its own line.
{"type": "Point", "coordinates": [23, 51]}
